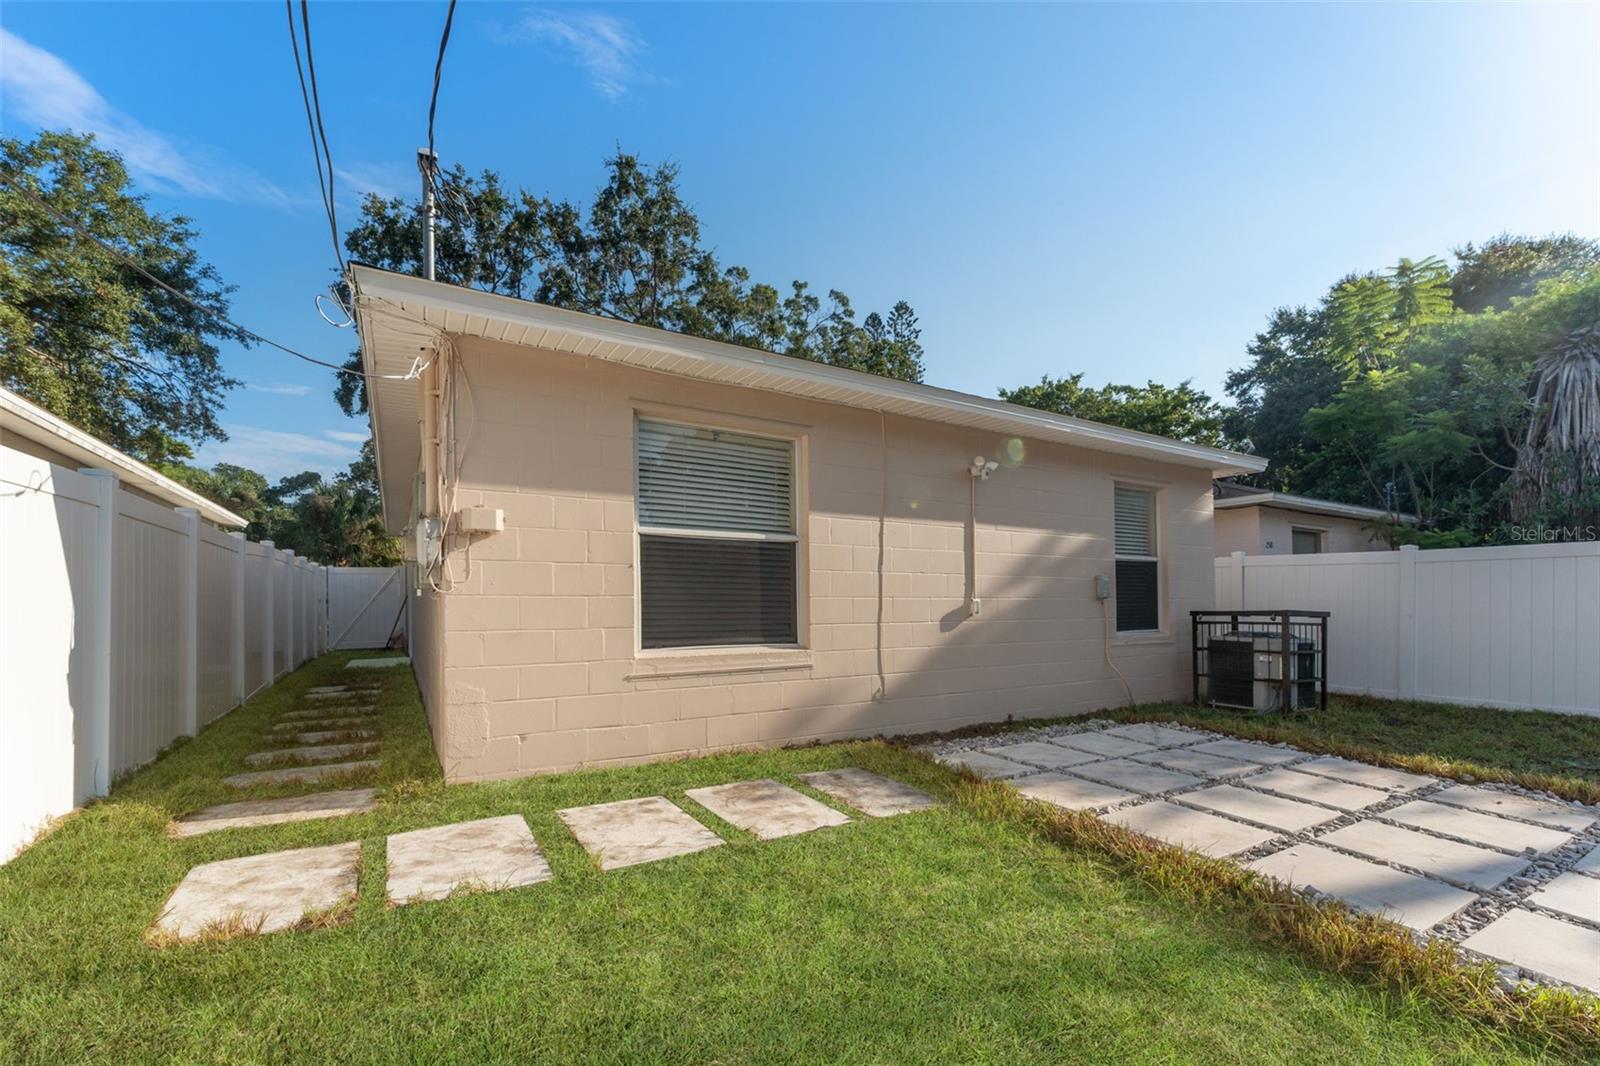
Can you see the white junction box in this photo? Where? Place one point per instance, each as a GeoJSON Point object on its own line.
{"type": "Point", "coordinates": [480, 520]}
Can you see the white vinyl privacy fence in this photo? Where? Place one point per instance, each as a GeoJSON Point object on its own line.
{"type": "Point", "coordinates": [1515, 626]}
{"type": "Point", "coordinates": [366, 605]}
{"type": "Point", "coordinates": [125, 624]}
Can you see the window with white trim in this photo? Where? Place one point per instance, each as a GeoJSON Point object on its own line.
{"type": "Point", "coordinates": [718, 537]}
{"type": "Point", "coordinates": [1138, 561]}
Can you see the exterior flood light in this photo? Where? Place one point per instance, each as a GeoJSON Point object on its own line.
{"type": "Point", "coordinates": [982, 468]}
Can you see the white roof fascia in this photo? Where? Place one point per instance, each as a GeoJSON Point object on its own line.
{"type": "Point", "coordinates": [34, 423]}
{"type": "Point", "coordinates": [388, 352]}
{"type": "Point", "coordinates": [1308, 505]}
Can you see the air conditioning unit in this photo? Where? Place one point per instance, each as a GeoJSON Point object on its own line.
{"type": "Point", "coordinates": [1245, 670]}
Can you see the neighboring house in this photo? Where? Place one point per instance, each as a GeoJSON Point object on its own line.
{"type": "Point", "coordinates": [1257, 522]}
{"type": "Point", "coordinates": [659, 545]}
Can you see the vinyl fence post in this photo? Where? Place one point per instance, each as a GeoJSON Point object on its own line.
{"type": "Point", "coordinates": [292, 631]}
{"type": "Point", "coordinates": [189, 634]}
{"type": "Point", "coordinates": [95, 732]}
{"type": "Point", "coordinates": [1236, 584]}
{"type": "Point", "coordinates": [236, 654]}
{"type": "Point", "coordinates": [269, 619]}
{"type": "Point", "coordinates": [1406, 644]}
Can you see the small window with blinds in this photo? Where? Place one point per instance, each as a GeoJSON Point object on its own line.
{"type": "Point", "coordinates": [718, 537]}
{"type": "Point", "coordinates": [1138, 562]}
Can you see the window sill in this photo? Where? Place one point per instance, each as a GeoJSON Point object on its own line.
{"type": "Point", "coordinates": [1142, 638]}
{"type": "Point", "coordinates": [702, 662]}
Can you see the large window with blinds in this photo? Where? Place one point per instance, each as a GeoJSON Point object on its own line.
{"type": "Point", "coordinates": [718, 537]}
{"type": "Point", "coordinates": [1138, 561]}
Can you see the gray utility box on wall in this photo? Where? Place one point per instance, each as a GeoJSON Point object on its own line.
{"type": "Point", "coordinates": [1261, 661]}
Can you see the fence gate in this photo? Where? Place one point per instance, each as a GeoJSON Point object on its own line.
{"type": "Point", "coordinates": [366, 604]}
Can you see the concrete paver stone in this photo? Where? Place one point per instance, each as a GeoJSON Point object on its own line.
{"type": "Point", "coordinates": [1544, 945]}
{"type": "Point", "coordinates": [250, 813]}
{"type": "Point", "coordinates": [1484, 829]}
{"type": "Point", "coordinates": [261, 893]}
{"type": "Point", "coordinates": [1157, 736]}
{"type": "Point", "coordinates": [1038, 753]}
{"type": "Point", "coordinates": [871, 794]}
{"type": "Point", "coordinates": [378, 664]}
{"type": "Point", "coordinates": [1106, 744]}
{"type": "Point", "coordinates": [1463, 864]}
{"type": "Point", "coordinates": [320, 772]}
{"type": "Point", "coordinates": [1360, 773]}
{"type": "Point", "coordinates": [1195, 830]}
{"type": "Point", "coordinates": [766, 809]}
{"type": "Point", "coordinates": [986, 766]}
{"type": "Point", "coordinates": [317, 753]}
{"type": "Point", "coordinates": [1417, 902]}
{"type": "Point", "coordinates": [1492, 801]}
{"type": "Point", "coordinates": [1135, 776]}
{"type": "Point", "coordinates": [1315, 789]}
{"type": "Point", "coordinates": [1201, 763]}
{"type": "Point", "coordinates": [1072, 793]}
{"type": "Point", "coordinates": [1572, 894]}
{"type": "Point", "coordinates": [1285, 815]}
{"type": "Point", "coordinates": [630, 832]}
{"type": "Point", "coordinates": [488, 854]}
{"type": "Point", "coordinates": [1265, 754]}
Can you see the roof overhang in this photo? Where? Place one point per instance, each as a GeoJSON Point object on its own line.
{"type": "Point", "coordinates": [394, 313]}
{"type": "Point", "coordinates": [32, 422]}
{"type": "Point", "coordinates": [1308, 505]}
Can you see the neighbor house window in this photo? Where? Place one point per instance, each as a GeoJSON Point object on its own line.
{"type": "Point", "coordinates": [718, 536]}
{"type": "Point", "coordinates": [1307, 542]}
{"type": "Point", "coordinates": [1138, 564]}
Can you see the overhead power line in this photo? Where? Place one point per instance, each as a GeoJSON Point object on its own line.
{"type": "Point", "coordinates": [438, 71]}
{"type": "Point", "coordinates": [319, 136]}
{"type": "Point", "coordinates": [133, 264]}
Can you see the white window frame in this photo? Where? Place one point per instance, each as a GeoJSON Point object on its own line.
{"type": "Point", "coordinates": [796, 438]}
{"type": "Point", "coordinates": [1157, 502]}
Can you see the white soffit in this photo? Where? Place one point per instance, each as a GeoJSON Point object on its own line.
{"type": "Point", "coordinates": [390, 345]}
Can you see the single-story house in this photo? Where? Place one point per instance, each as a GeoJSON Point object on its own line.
{"type": "Point", "coordinates": [1258, 522]}
{"type": "Point", "coordinates": [630, 544]}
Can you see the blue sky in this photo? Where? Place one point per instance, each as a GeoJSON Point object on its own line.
{"type": "Point", "coordinates": [1125, 191]}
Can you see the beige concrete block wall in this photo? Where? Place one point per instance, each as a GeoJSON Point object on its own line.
{"type": "Point", "coordinates": [1338, 534]}
{"type": "Point", "coordinates": [539, 661]}
{"type": "Point", "coordinates": [1237, 529]}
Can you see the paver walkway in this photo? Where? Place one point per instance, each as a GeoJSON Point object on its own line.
{"type": "Point", "coordinates": [1511, 876]}
{"type": "Point", "coordinates": [264, 893]}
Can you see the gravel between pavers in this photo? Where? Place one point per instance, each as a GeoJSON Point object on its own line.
{"type": "Point", "coordinates": [1492, 903]}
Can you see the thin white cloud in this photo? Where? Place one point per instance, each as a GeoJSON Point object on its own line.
{"type": "Point", "coordinates": [39, 87]}
{"type": "Point", "coordinates": [603, 46]}
{"type": "Point", "coordinates": [276, 453]}
{"type": "Point", "coordinates": [387, 180]}
{"type": "Point", "coordinates": [351, 438]}
{"type": "Point", "coordinates": [279, 390]}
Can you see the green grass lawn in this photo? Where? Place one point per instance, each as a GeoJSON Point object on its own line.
{"type": "Point", "coordinates": [947, 936]}
{"type": "Point", "coordinates": [1540, 749]}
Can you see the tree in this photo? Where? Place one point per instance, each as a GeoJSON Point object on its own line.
{"type": "Point", "coordinates": [338, 522]}
{"type": "Point", "coordinates": [1183, 412]}
{"type": "Point", "coordinates": [635, 255]}
{"type": "Point", "coordinates": [1506, 267]}
{"type": "Point", "coordinates": [81, 332]}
